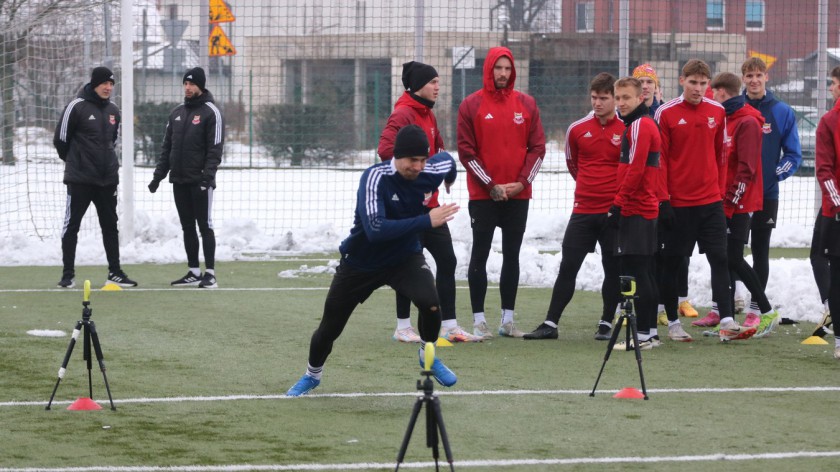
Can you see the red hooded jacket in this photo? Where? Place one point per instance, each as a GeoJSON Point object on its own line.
{"type": "Point", "coordinates": [408, 111]}
{"type": "Point", "coordinates": [500, 135]}
{"type": "Point", "coordinates": [742, 148]}
{"type": "Point", "coordinates": [828, 160]}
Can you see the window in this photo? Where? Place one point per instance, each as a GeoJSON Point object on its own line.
{"type": "Point", "coordinates": [755, 15]}
{"type": "Point", "coordinates": [714, 14]}
{"type": "Point", "coordinates": [585, 17]}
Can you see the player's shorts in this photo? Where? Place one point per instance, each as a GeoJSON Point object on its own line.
{"type": "Point", "coordinates": [766, 217]}
{"type": "Point", "coordinates": [636, 236]}
{"type": "Point", "coordinates": [830, 236]}
{"type": "Point", "coordinates": [704, 225]}
{"type": "Point", "coordinates": [738, 227]}
{"type": "Point", "coordinates": [487, 215]}
{"type": "Point", "coordinates": [584, 230]}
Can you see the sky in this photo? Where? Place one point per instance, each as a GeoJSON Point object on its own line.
{"type": "Point", "coordinates": [791, 286]}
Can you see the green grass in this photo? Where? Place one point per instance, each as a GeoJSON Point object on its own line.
{"type": "Point", "coordinates": [171, 343]}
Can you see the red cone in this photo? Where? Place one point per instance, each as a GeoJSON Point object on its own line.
{"type": "Point", "coordinates": [629, 392]}
{"type": "Point", "coordinates": [84, 404]}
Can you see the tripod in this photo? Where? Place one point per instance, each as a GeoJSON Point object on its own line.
{"type": "Point", "coordinates": [90, 337]}
{"type": "Point", "coordinates": [434, 418]}
{"type": "Point", "coordinates": [628, 292]}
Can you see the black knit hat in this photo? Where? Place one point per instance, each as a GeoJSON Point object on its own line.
{"type": "Point", "coordinates": [411, 141]}
{"type": "Point", "coordinates": [100, 75]}
{"type": "Point", "coordinates": [196, 76]}
{"type": "Point", "coordinates": [416, 75]}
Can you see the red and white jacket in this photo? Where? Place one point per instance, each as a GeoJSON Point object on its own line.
{"type": "Point", "coordinates": [592, 151]}
{"type": "Point", "coordinates": [693, 169]}
{"type": "Point", "coordinates": [828, 160]}
{"type": "Point", "coordinates": [742, 145]}
{"type": "Point", "coordinates": [638, 167]}
{"type": "Point", "coordinates": [500, 135]}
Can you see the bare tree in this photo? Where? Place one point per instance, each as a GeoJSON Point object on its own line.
{"type": "Point", "coordinates": [522, 13]}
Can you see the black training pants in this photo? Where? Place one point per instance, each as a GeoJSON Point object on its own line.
{"type": "Point", "coordinates": [195, 205]}
{"type": "Point", "coordinates": [79, 198]}
{"type": "Point", "coordinates": [438, 241]}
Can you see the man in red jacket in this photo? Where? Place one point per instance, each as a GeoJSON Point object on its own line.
{"type": "Point", "coordinates": [422, 86]}
{"type": "Point", "coordinates": [694, 175]}
{"type": "Point", "coordinates": [501, 144]}
{"type": "Point", "coordinates": [828, 178]}
{"type": "Point", "coordinates": [744, 191]}
{"type": "Point", "coordinates": [592, 148]}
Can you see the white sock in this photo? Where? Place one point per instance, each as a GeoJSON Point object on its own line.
{"type": "Point", "coordinates": [715, 307]}
{"type": "Point", "coordinates": [727, 321]}
{"type": "Point", "coordinates": [449, 324]}
{"type": "Point", "coordinates": [674, 323]}
{"type": "Point", "coordinates": [210, 271]}
{"type": "Point", "coordinates": [753, 308]}
{"type": "Point", "coordinates": [660, 308]}
{"type": "Point", "coordinates": [550, 323]}
{"type": "Point", "coordinates": [314, 372]}
{"type": "Point", "coordinates": [644, 336]}
{"type": "Point", "coordinates": [604, 323]}
{"type": "Point", "coordinates": [654, 332]}
{"type": "Point", "coordinates": [507, 316]}
{"type": "Point", "coordinates": [196, 271]}
{"type": "Point", "coordinates": [478, 318]}
{"type": "Point", "coordinates": [836, 341]}
{"type": "Point", "coordinates": [403, 323]}
{"type": "Point", "coordinates": [618, 309]}
{"type": "Point", "coordinates": [683, 299]}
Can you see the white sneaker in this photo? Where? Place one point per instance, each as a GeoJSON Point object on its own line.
{"type": "Point", "coordinates": [458, 335]}
{"type": "Point", "coordinates": [407, 335]}
{"type": "Point", "coordinates": [837, 352]}
{"type": "Point", "coordinates": [677, 333]}
{"type": "Point", "coordinates": [509, 330]}
{"type": "Point", "coordinates": [643, 346]}
{"type": "Point", "coordinates": [481, 329]}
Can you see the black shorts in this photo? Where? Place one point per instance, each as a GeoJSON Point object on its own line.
{"type": "Point", "coordinates": [704, 225]}
{"type": "Point", "coordinates": [584, 230]}
{"type": "Point", "coordinates": [829, 235]}
{"type": "Point", "coordinates": [738, 227]}
{"type": "Point", "coordinates": [636, 236]}
{"type": "Point", "coordinates": [767, 217]}
{"type": "Point", "coordinates": [487, 215]}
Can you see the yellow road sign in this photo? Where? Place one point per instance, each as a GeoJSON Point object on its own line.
{"type": "Point", "coordinates": [220, 13]}
{"type": "Point", "coordinates": [219, 43]}
{"type": "Point", "coordinates": [767, 58]}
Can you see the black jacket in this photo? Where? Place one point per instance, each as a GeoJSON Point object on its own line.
{"type": "Point", "coordinates": [193, 143]}
{"type": "Point", "coordinates": [85, 138]}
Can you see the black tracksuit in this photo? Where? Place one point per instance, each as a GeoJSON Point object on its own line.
{"type": "Point", "coordinates": [85, 139]}
{"type": "Point", "coordinates": [192, 152]}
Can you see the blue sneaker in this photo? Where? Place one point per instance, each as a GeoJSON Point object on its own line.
{"type": "Point", "coordinates": [303, 386]}
{"type": "Point", "coordinates": [440, 372]}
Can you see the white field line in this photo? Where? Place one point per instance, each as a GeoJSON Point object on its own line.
{"type": "Point", "coordinates": [467, 393]}
{"type": "Point", "coordinates": [427, 465]}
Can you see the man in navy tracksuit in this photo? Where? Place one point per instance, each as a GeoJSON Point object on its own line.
{"type": "Point", "coordinates": [383, 248]}
{"type": "Point", "coordinates": [192, 151]}
{"type": "Point", "coordinates": [781, 155]}
{"type": "Point", "coordinates": [85, 139]}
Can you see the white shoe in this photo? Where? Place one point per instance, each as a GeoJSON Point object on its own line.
{"type": "Point", "coordinates": [643, 346]}
{"type": "Point", "coordinates": [481, 329]}
{"type": "Point", "coordinates": [458, 335]}
{"type": "Point", "coordinates": [509, 330]}
{"type": "Point", "coordinates": [677, 333]}
{"type": "Point", "coordinates": [407, 335]}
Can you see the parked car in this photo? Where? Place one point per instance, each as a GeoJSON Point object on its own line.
{"type": "Point", "coordinates": [806, 122]}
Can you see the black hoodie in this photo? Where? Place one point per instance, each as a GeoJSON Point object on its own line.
{"type": "Point", "coordinates": [85, 138]}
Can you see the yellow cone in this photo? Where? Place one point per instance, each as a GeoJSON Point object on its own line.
{"type": "Point", "coordinates": [443, 342]}
{"type": "Point", "coordinates": [111, 288]}
{"type": "Point", "coordinates": [815, 340]}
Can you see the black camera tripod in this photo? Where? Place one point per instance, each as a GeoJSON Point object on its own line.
{"type": "Point", "coordinates": [628, 292]}
{"type": "Point", "coordinates": [434, 418]}
{"type": "Point", "coordinates": [90, 337]}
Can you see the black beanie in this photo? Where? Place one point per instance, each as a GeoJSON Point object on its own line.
{"type": "Point", "coordinates": [411, 141]}
{"type": "Point", "coordinates": [416, 75]}
{"type": "Point", "coordinates": [196, 76]}
{"type": "Point", "coordinates": [100, 75]}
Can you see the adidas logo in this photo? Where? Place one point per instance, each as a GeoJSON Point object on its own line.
{"type": "Point", "coordinates": [395, 198]}
{"type": "Point", "coordinates": [190, 76]}
{"type": "Point", "coordinates": [91, 118]}
{"type": "Point", "coordinates": [587, 135]}
{"type": "Point", "coordinates": [488, 116]}
{"type": "Point", "coordinates": [682, 122]}
{"type": "Point", "coordinates": [771, 222]}
{"type": "Point", "coordinates": [177, 118]}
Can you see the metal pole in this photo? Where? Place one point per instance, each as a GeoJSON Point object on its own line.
{"type": "Point", "coordinates": [822, 73]}
{"type": "Point", "coordinates": [623, 37]}
{"type": "Point", "coordinates": [250, 118]}
{"type": "Point", "coordinates": [204, 35]}
{"type": "Point", "coordinates": [127, 109]}
{"type": "Point", "coordinates": [106, 18]}
{"type": "Point", "coordinates": [419, 12]}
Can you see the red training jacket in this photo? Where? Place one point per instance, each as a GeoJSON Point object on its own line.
{"type": "Point", "coordinates": [408, 111]}
{"type": "Point", "coordinates": [692, 167]}
{"type": "Point", "coordinates": [828, 160]}
{"type": "Point", "coordinates": [592, 152]}
{"type": "Point", "coordinates": [744, 184]}
{"type": "Point", "coordinates": [638, 170]}
{"type": "Point", "coordinates": [500, 135]}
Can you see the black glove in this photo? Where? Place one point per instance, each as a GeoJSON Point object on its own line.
{"type": "Point", "coordinates": [614, 216]}
{"type": "Point", "coordinates": [153, 185]}
{"type": "Point", "coordinates": [666, 214]}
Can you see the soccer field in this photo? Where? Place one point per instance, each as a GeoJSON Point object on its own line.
{"type": "Point", "coordinates": [198, 379]}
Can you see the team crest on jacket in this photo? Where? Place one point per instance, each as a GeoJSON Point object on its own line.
{"type": "Point", "coordinates": [196, 119]}
{"type": "Point", "coordinates": [427, 196]}
{"type": "Point", "coordinates": [712, 122]}
{"type": "Point", "coordinates": [518, 119]}
{"type": "Point", "coordinates": [767, 128]}
{"type": "Point", "coordinates": [112, 119]}
{"type": "Point", "coordinates": [616, 140]}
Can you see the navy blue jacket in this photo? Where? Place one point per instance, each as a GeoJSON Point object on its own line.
{"type": "Point", "coordinates": [390, 213]}
{"type": "Point", "coordinates": [781, 153]}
